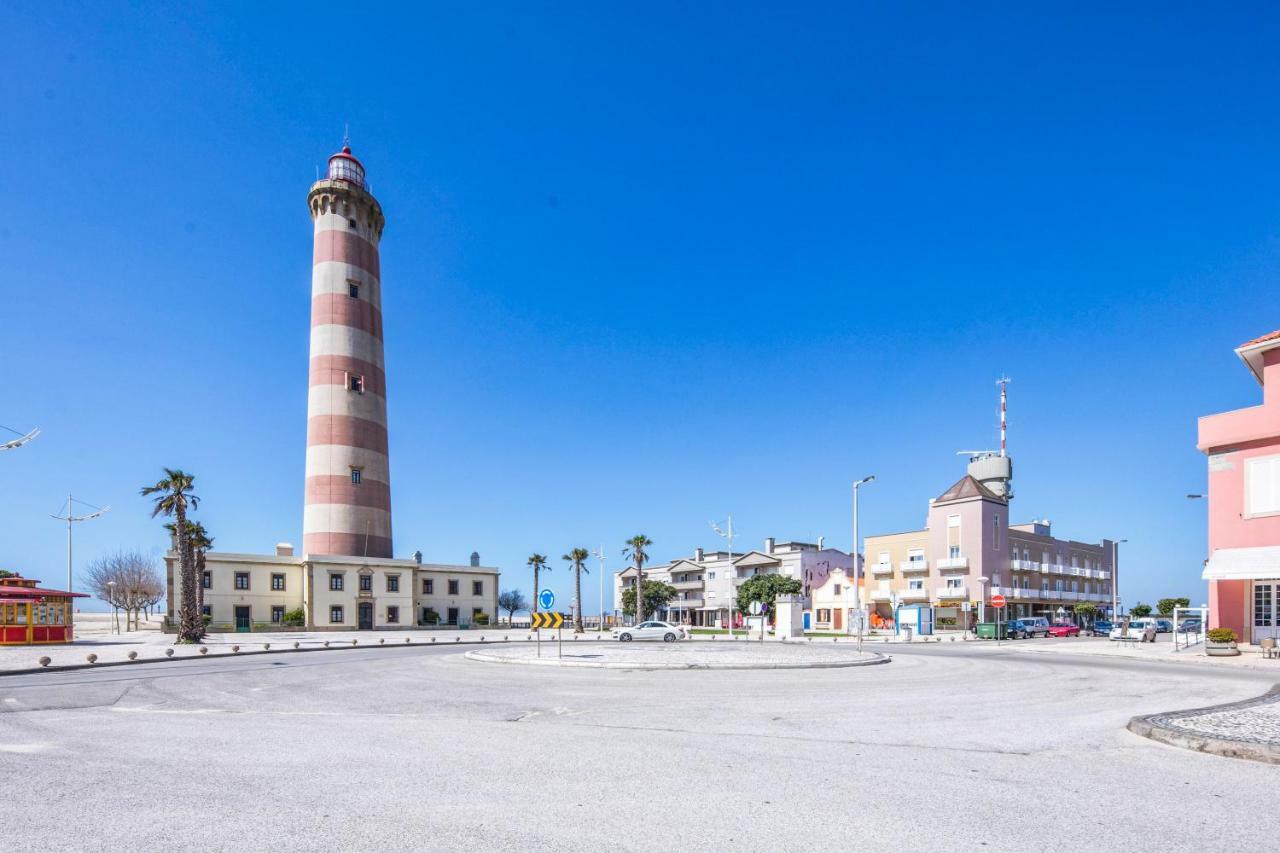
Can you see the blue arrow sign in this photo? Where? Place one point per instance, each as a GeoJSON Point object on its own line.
{"type": "Point", "coordinates": [546, 599]}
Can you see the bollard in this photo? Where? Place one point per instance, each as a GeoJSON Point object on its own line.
{"type": "Point", "coordinates": [457, 639]}
{"type": "Point", "coordinates": [203, 650]}
{"type": "Point", "coordinates": [44, 661]}
{"type": "Point", "coordinates": [266, 647]}
{"type": "Point", "coordinates": [433, 639]}
{"type": "Point", "coordinates": [482, 638]}
{"type": "Point", "coordinates": [296, 644]}
{"type": "Point", "coordinates": [406, 639]}
{"type": "Point", "coordinates": [133, 655]}
{"type": "Point", "coordinates": [91, 658]}
{"type": "Point", "coordinates": [382, 640]}
{"type": "Point", "coordinates": [168, 653]}
{"type": "Point", "coordinates": [353, 642]}
{"type": "Point", "coordinates": [235, 649]}
{"type": "Point", "coordinates": [326, 644]}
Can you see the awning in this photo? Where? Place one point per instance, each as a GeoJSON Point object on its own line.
{"type": "Point", "coordinates": [1239, 564]}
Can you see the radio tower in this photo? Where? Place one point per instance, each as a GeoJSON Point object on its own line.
{"type": "Point", "coordinates": [1003, 382]}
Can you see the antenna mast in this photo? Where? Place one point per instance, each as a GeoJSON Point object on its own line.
{"type": "Point", "coordinates": [1003, 382]}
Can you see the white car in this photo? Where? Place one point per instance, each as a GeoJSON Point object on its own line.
{"type": "Point", "coordinates": [665, 631]}
{"type": "Point", "coordinates": [1136, 629]}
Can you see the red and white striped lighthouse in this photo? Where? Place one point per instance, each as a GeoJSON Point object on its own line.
{"type": "Point", "coordinates": [348, 495]}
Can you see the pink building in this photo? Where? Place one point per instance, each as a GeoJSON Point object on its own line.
{"type": "Point", "coordinates": [1243, 569]}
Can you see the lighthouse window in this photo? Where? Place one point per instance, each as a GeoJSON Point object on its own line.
{"type": "Point", "coordinates": [353, 289]}
{"type": "Point", "coordinates": [351, 223]}
{"type": "Point", "coordinates": [355, 476]}
{"type": "Point", "coordinates": [356, 383]}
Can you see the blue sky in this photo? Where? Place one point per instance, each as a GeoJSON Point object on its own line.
{"type": "Point", "coordinates": [645, 265]}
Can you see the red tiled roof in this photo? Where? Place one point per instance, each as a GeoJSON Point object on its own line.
{"type": "Point", "coordinates": [1262, 340]}
{"type": "Point", "coordinates": [37, 592]}
{"type": "Point", "coordinates": [967, 487]}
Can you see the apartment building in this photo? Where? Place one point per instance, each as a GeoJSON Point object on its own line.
{"type": "Point", "coordinates": [968, 551]}
{"type": "Point", "coordinates": [253, 592]}
{"type": "Point", "coordinates": [707, 583]}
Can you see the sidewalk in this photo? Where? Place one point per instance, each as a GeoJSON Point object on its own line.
{"type": "Point", "coordinates": [1162, 650]}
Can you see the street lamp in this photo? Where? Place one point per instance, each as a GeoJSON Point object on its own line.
{"type": "Point", "coordinates": [111, 592]}
{"type": "Point", "coordinates": [857, 564]}
{"type": "Point", "coordinates": [982, 603]}
{"type": "Point", "coordinates": [71, 518]}
{"type": "Point", "coordinates": [1115, 578]}
{"type": "Point", "coordinates": [727, 534]}
{"type": "Point", "coordinates": [600, 555]}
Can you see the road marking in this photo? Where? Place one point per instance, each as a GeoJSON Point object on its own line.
{"type": "Point", "coordinates": [24, 748]}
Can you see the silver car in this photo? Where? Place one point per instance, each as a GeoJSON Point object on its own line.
{"type": "Point", "coordinates": [665, 631]}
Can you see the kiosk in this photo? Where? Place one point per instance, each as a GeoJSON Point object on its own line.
{"type": "Point", "coordinates": [31, 615]}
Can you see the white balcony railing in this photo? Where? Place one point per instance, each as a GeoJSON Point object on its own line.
{"type": "Point", "coordinates": [951, 592]}
{"type": "Point", "coordinates": [913, 595]}
{"type": "Point", "coordinates": [1024, 566]}
{"type": "Point", "coordinates": [953, 563]}
{"type": "Point", "coordinates": [907, 566]}
{"type": "Point", "coordinates": [880, 570]}
{"type": "Point", "coordinates": [882, 593]}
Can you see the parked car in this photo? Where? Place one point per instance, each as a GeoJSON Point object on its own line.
{"type": "Point", "coordinates": [665, 631]}
{"type": "Point", "coordinates": [1191, 625]}
{"type": "Point", "coordinates": [1102, 627]}
{"type": "Point", "coordinates": [1064, 630]}
{"type": "Point", "coordinates": [1136, 628]}
{"type": "Point", "coordinates": [1164, 626]}
{"type": "Point", "coordinates": [1029, 627]}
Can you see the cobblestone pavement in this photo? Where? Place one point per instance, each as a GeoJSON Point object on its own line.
{"type": "Point", "coordinates": [1248, 729]}
{"type": "Point", "coordinates": [684, 655]}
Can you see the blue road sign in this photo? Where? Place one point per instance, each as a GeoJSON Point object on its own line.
{"type": "Point", "coordinates": [546, 599]}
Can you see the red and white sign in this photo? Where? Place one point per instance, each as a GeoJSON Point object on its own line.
{"type": "Point", "coordinates": [997, 601]}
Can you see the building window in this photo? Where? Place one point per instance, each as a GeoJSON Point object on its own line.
{"type": "Point", "coordinates": [393, 583]}
{"type": "Point", "coordinates": [355, 383]}
{"type": "Point", "coordinates": [477, 587]}
{"type": "Point", "coordinates": [352, 224]}
{"type": "Point", "coordinates": [453, 588]}
{"type": "Point", "coordinates": [995, 532]}
{"type": "Point", "coordinates": [353, 289]}
{"type": "Point", "coordinates": [824, 615]}
{"type": "Point", "coordinates": [207, 610]}
{"type": "Point", "coordinates": [277, 583]}
{"type": "Point", "coordinates": [393, 614]}
{"type": "Point", "coordinates": [428, 586]}
{"type": "Point", "coordinates": [954, 552]}
{"type": "Point", "coordinates": [366, 583]}
{"type": "Point", "coordinates": [915, 583]}
{"type": "Point", "coordinates": [335, 583]}
{"type": "Point", "coordinates": [206, 580]}
{"type": "Point", "coordinates": [355, 476]}
{"type": "Point", "coordinates": [955, 583]}
{"type": "Point", "coordinates": [837, 589]}
{"type": "Point", "coordinates": [242, 580]}
{"type": "Point", "coordinates": [335, 614]}
{"type": "Point", "coordinates": [1262, 486]}
{"type": "Point", "coordinates": [277, 613]}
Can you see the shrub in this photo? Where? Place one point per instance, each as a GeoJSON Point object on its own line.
{"type": "Point", "coordinates": [430, 617]}
{"type": "Point", "coordinates": [1221, 635]}
{"type": "Point", "coordinates": [294, 618]}
{"type": "Point", "coordinates": [481, 619]}
{"type": "Point", "coordinates": [1140, 610]}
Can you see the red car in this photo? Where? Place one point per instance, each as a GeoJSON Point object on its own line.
{"type": "Point", "coordinates": [1064, 631]}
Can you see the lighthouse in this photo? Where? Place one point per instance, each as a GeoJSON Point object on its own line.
{"type": "Point", "coordinates": [348, 485]}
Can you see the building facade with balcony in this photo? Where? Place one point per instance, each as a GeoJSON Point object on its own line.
{"type": "Point", "coordinates": [1243, 450]}
{"type": "Point", "coordinates": [707, 583]}
{"type": "Point", "coordinates": [968, 551]}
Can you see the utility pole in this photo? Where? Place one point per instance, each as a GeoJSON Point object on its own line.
{"type": "Point", "coordinates": [857, 563]}
{"type": "Point", "coordinates": [1115, 579]}
{"type": "Point", "coordinates": [71, 518]}
{"type": "Point", "coordinates": [728, 535]}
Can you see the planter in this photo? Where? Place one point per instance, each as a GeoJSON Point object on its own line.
{"type": "Point", "coordinates": [1221, 650]}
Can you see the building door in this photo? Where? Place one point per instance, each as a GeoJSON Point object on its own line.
{"type": "Point", "coordinates": [837, 615]}
{"type": "Point", "coordinates": [364, 619]}
{"type": "Point", "coordinates": [1266, 611]}
{"type": "Point", "coordinates": [453, 616]}
{"type": "Point", "coordinates": [243, 622]}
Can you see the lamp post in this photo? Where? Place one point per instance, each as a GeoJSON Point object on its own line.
{"type": "Point", "coordinates": [111, 591]}
{"type": "Point", "coordinates": [857, 563]}
{"type": "Point", "coordinates": [71, 518]}
{"type": "Point", "coordinates": [982, 606]}
{"type": "Point", "coordinates": [1115, 578]}
{"type": "Point", "coordinates": [728, 535]}
{"type": "Point", "coordinates": [600, 555]}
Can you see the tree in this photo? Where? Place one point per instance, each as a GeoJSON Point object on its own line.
{"type": "Point", "coordinates": [766, 589]}
{"type": "Point", "coordinates": [1087, 611]}
{"type": "Point", "coordinates": [637, 551]}
{"type": "Point", "coordinates": [1140, 610]}
{"type": "Point", "coordinates": [128, 581]}
{"type": "Point", "coordinates": [539, 563]}
{"type": "Point", "coordinates": [656, 596]}
{"type": "Point", "coordinates": [511, 601]}
{"type": "Point", "coordinates": [172, 496]}
{"type": "Point", "coordinates": [576, 558]}
{"type": "Point", "coordinates": [1166, 606]}
{"type": "Point", "coordinates": [201, 542]}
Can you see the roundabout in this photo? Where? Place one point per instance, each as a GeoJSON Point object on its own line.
{"type": "Point", "coordinates": [686, 655]}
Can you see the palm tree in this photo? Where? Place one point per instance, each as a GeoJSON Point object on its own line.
{"type": "Point", "coordinates": [538, 562]}
{"type": "Point", "coordinates": [577, 557]}
{"type": "Point", "coordinates": [635, 551]}
{"type": "Point", "coordinates": [172, 496]}
{"type": "Point", "coordinates": [201, 542]}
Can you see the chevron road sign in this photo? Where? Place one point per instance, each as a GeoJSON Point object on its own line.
{"type": "Point", "coordinates": [548, 620]}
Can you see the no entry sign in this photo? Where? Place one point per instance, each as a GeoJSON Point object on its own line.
{"type": "Point", "coordinates": [997, 601]}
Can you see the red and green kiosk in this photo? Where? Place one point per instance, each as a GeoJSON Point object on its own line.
{"type": "Point", "coordinates": [31, 615]}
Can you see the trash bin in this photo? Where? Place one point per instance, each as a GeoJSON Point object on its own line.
{"type": "Point", "coordinates": [993, 631]}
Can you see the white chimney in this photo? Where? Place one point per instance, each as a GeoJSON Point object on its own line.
{"type": "Point", "coordinates": [697, 555]}
{"type": "Point", "coordinates": [768, 545]}
{"type": "Point", "coordinates": [819, 543]}
{"type": "Point", "coordinates": [284, 549]}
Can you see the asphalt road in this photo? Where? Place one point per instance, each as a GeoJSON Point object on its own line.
{"type": "Point", "coordinates": [947, 748]}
